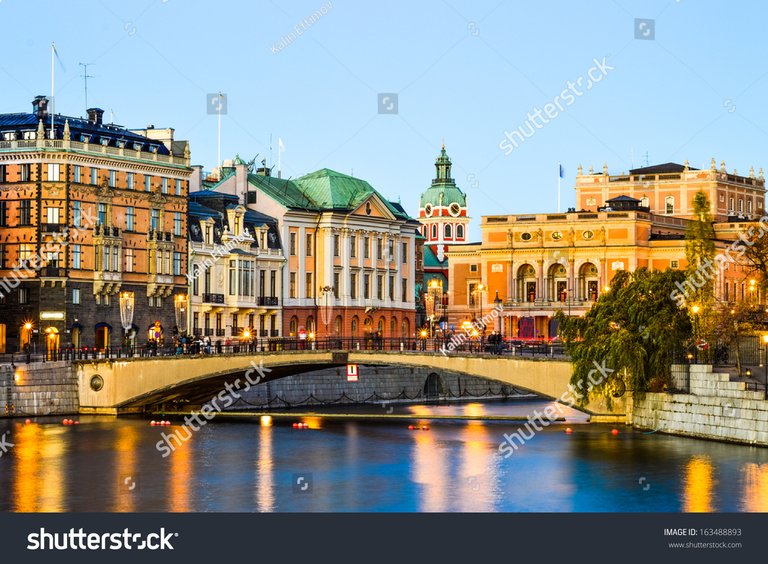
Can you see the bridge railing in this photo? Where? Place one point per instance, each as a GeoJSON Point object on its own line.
{"type": "Point", "coordinates": [198, 347]}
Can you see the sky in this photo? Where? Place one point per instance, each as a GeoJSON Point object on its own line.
{"type": "Point", "coordinates": [673, 80]}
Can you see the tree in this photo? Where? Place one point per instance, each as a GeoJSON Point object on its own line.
{"type": "Point", "coordinates": [700, 247]}
{"type": "Point", "coordinates": [636, 330]}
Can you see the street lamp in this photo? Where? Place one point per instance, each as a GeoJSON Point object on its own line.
{"type": "Point", "coordinates": [765, 340]}
{"type": "Point", "coordinates": [325, 311]}
{"type": "Point", "coordinates": [126, 313]}
{"type": "Point", "coordinates": [695, 310]}
{"type": "Point", "coordinates": [180, 308]}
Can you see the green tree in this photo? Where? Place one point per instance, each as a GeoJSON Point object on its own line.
{"type": "Point", "coordinates": [700, 248]}
{"type": "Point", "coordinates": [635, 329]}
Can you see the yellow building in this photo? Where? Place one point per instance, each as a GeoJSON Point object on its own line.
{"type": "Point", "coordinates": [532, 265]}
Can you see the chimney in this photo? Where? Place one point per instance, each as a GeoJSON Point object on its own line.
{"type": "Point", "coordinates": [95, 115]}
{"type": "Point", "coordinates": [40, 107]}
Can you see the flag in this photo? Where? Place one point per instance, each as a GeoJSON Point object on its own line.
{"type": "Point", "coordinates": [562, 171]}
{"type": "Point", "coordinates": [56, 54]}
{"type": "Point", "coordinates": [280, 144]}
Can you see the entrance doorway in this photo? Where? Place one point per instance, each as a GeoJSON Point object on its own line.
{"type": "Point", "coordinates": [433, 387]}
{"type": "Point", "coordinates": [103, 331]}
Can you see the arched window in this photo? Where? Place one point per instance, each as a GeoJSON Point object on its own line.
{"type": "Point", "coordinates": [448, 231]}
{"type": "Point", "coordinates": [354, 326]}
{"type": "Point", "coordinates": [406, 328]}
{"type": "Point", "coordinates": [310, 324]}
{"type": "Point", "coordinates": [749, 206]}
{"type": "Point", "coordinates": [337, 325]}
{"type": "Point", "coordinates": [459, 231]}
{"type": "Point", "coordinates": [393, 327]}
{"type": "Point", "coordinates": [669, 205]}
{"type": "Point", "coordinates": [645, 202]}
{"type": "Point", "coordinates": [293, 325]}
{"type": "Point", "coordinates": [434, 231]}
{"type": "Point", "coordinates": [730, 204]}
{"type": "Point", "coordinates": [741, 205]}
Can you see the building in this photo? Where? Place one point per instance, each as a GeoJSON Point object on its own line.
{"type": "Point", "coordinates": [235, 266]}
{"type": "Point", "coordinates": [92, 222]}
{"type": "Point", "coordinates": [532, 265]}
{"type": "Point", "coordinates": [350, 253]}
{"type": "Point", "coordinates": [444, 222]}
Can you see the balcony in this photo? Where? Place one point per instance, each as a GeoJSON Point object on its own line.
{"type": "Point", "coordinates": [197, 331]}
{"type": "Point", "coordinates": [220, 332]}
{"type": "Point", "coordinates": [274, 333]}
{"type": "Point", "coordinates": [208, 332]}
{"type": "Point", "coordinates": [52, 227]}
{"type": "Point", "coordinates": [271, 301]}
{"type": "Point", "coordinates": [213, 298]}
{"type": "Point", "coordinates": [105, 282]}
{"type": "Point", "coordinates": [160, 236]}
{"type": "Point", "coordinates": [263, 333]}
{"type": "Point", "coordinates": [101, 230]}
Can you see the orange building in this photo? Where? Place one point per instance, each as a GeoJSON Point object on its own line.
{"type": "Point", "coordinates": [88, 212]}
{"type": "Point", "coordinates": [530, 266]}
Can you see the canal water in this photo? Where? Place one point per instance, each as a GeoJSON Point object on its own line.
{"type": "Point", "coordinates": [106, 464]}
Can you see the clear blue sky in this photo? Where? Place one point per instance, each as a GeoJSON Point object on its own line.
{"type": "Point", "coordinates": [465, 71]}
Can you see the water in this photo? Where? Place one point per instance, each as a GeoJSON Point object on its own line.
{"type": "Point", "coordinates": [107, 464]}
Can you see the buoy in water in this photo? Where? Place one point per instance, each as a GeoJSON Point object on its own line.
{"type": "Point", "coordinates": [614, 432]}
{"type": "Point", "coordinates": [295, 425]}
{"type": "Point", "coordinates": [568, 430]}
{"type": "Point", "coordinates": [28, 422]}
{"type": "Point", "coordinates": [425, 428]}
{"type": "Point", "coordinates": [153, 423]}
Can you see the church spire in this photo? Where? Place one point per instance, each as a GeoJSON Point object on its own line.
{"type": "Point", "coordinates": [443, 166]}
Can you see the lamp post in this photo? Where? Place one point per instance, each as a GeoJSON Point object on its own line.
{"type": "Point", "coordinates": [126, 314]}
{"type": "Point", "coordinates": [327, 292]}
{"type": "Point", "coordinates": [497, 304]}
{"type": "Point", "coordinates": [695, 310]}
{"type": "Point", "coordinates": [765, 340]}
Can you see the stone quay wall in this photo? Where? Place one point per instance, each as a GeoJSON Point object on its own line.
{"type": "Point", "coordinates": [38, 389]}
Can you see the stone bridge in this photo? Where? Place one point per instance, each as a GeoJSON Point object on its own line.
{"type": "Point", "coordinates": [129, 385]}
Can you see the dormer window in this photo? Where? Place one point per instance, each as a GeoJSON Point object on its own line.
{"type": "Point", "coordinates": [137, 146]}
{"type": "Point", "coordinates": [85, 138]}
{"type": "Point", "coordinates": [29, 135]}
{"type": "Point", "coordinates": [104, 141]}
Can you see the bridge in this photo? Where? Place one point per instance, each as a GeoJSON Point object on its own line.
{"type": "Point", "coordinates": [139, 384]}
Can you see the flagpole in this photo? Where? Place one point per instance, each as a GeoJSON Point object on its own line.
{"type": "Point", "coordinates": [558, 187]}
{"type": "Point", "coordinates": [53, 98]}
{"type": "Point", "coordinates": [279, 153]}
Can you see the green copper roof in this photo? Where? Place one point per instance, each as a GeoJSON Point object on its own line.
{"type": "Point", "coordinates": [324, 189]}
{"type": "Point", "coordinates": [430, 258]}
{"type": "Point", "coordinates": [443, 191]}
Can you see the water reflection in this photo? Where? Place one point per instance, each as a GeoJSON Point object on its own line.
{"type": "Point", "coordinates": [755, 478]}
{"type": "Point", "coordinates": [181, 476]}
{"type": "Point", "coordinates": [429, 470]}
{"type": "Point", "coordinates": [40, 468]}
{"type": "Point", "coordinates": [125, 468]}
{"type": "Point", "coordinates": [265, 494]}
{"type": "Point", "coordinates": [698, 483]}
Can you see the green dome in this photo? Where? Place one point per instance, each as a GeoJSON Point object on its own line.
{"type": "Point", "coordinates": [443, 191]}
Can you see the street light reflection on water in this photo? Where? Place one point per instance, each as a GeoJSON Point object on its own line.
{"type": "Point", "coordinates": [108, 464]}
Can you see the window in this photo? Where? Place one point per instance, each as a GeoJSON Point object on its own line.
{"type": "Point", "coordinates": [310, 287]}
{"type": "Point", "coordinates": [391, 287]}
{"type": "Point", "coordinates": [107, 257]}
{"type": "Point", "coordinates": [176, 264]}
{"type": "Point", "coordinates": [336, 284]}
{"type": "Point", "coordinates": [673, 264]}
{"type": "Point", "coordinates": [76, 296]}
{"type": "Point", "coordinates": [112, 178]}
{"type": "Point", "coordinates": [52, 215]}
{"type": "Point", "coordinates": [273, 283]}
{"type": "Point", "coordinates": [94, 176]}
{"type": "Point", "coordinates": [404, 256]}
{"type": "Point", "coordinates": [23, 296]}
{"type": "Point", "coordinates": [3, 213]}
{"type": "Point", "coordinates": [195, 280]}
{"type": "Point", "coordinates": [77, 213]}
{"type": "Point", "coordinates": [129, 260]}
{"type": "Point", "coordinates": [367, 286]}
{"type": "Point", "coordinates": [262, 283]}
{"type": "Point", "coordinates": [309, 244]}
{"type": "Point", "coordinates": [130, 179]}
{"type": "Point", "coordinates": [2, 173]}
{"type": "Point", "coordinates": [405, 290]}
{"type": "Point", "coordinates": [25, 172]}
{"type": "Point", "coordinates": [235, 329]}
{"type": "Point", "coordinates": [154, 220]}
{"type": "Point", "coordinates": [336, 245]}
{"type": "Point", "coordinates": [164, 185]}
{"type": "Point", "coordinates": [54, 172]}
{"type": "Point", "coordinates": [379, 249]}
{"type": "Point", "coordinates": [749, 206]}
{"type": "Point", "coordinates": [391, 250]}
{"type": "Point", "coordinates": [434, 231]}
{"type": "Point", "coordinates": [448, 233]}
{"type": "Point", "coordinates": [25, 212]}
{"type": "Point", "coordinates": [2, 259]}
{"type": "Point", "coordinates": [147, 183]}
{"type": "Point", "coordinates": [473, 268]}
{"type": "Point", "coordinates": [177, 223]}
{"type": "Point", "coordinates": [353, 246]}
{"type": "Point", "coordinates": [77, 256]}
{"type": "Point", "coordinates": [102, 213]}
{"type": "Point", "coordinates": [25, 252]}
{"type": "Point", "coordinates": [167, 262]}
{"type": "Point", "coordinates": [77, 172]}
{"type": "Point", "coordinates": [353, 285]}
{"type": "Point", "coordinates": [366, 247]}
{"type": "Point", "coordinates": [292, 286]}
{"type": "Point", "coordinates": [293, 244]}
{"type": "Point", "coordinates": [669, 205]}
{"type": "Point", "coordinates": [379, 287]}
{"type": "Point", "coordinates": [130, 217]}
{"type": "Point", "coordinates": [178, 187]}
{"type": "Point", "coordinates": [232, 277]}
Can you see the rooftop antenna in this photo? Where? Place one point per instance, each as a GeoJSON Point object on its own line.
{"type": "Point", "coordinates": [646, 158]}
{"type": "Point", "coordinates": [85, 76]}
{"type": "Point", "coordinates": [219, 107]}
{"type": "Point", "coordinates": [111, 116]}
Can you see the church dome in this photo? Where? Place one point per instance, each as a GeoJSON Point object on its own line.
{"type": "Point", "coordinates": [443, 191]}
